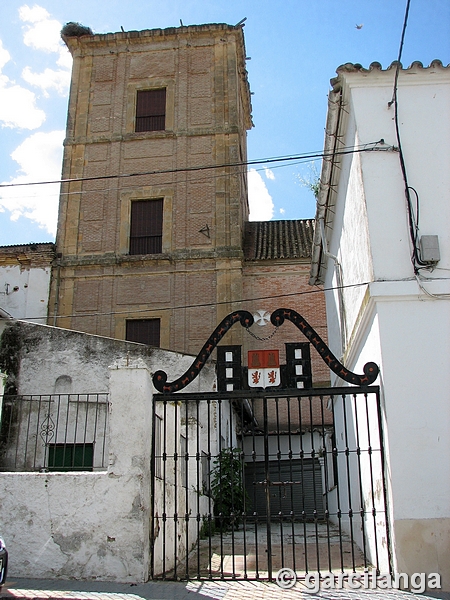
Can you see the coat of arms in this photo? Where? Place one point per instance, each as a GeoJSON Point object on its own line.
{"type": "Point", "coordinates": [263, 368]}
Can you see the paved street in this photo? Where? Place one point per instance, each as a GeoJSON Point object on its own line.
{"type": "Point", "coordinates": [40, 589]}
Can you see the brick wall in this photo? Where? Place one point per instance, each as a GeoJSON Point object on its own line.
{"type": "Point", "coordinates": [269, 285]}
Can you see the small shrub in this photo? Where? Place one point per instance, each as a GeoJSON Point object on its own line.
{"type": "Point", "coordinates": [228, 490]}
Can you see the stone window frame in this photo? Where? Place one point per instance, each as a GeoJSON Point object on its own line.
{"type": "Point", "coordinates": [146, 193]}
{"type": "Point", "coordinates": [150, 84]}
{"type": "Point", "coordinates": [149, 220]}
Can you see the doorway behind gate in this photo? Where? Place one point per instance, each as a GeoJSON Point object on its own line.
{"type": "Point", "coordinates": [248, 482]}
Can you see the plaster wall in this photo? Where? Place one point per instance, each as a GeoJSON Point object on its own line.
{"type": "Point", "coordinates": [349, 241]}
{"type": "Point", "coordinates": [49, 354]}
{"type": "Point", "coordinates": [24, 291]}
{"type": "Point", "coordinates": [90, 525]}
{"type": "Point", "coordinates": [423, 103]}
{"type": "Point", "coordinates": [396, 321]}
{"type": "Point", "coordinates": [416, 420]}
{"type": "Point", "coordinates": [417, 414]}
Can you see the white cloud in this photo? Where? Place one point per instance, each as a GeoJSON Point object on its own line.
{"type": "Point", "coordinates": [65, 59]}
{"type": "Point", "coordinates": [17, 104]}
{"type": "Point", "coordinates": [260, 201]}
{"type": "Point", "coordinates": [5, 56]}
{"type": "Point", "coordinates": [39, 157]}
{"type": "Point", "coordinates": [43, 33]}
{"type": "Point", "coordinates": [269, 173]}
{"type": "Point", "coordinates": [48, 79]}
{"type": "Point", "coordinates": [282, 211]}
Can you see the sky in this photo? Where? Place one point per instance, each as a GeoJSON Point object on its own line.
{"type": "Point", "coordinates": [294, 46]}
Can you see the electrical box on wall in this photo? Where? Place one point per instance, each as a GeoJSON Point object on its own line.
{"type": "Point", "coordinates": [429, 249]}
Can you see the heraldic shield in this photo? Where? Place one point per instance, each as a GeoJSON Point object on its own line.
{"type": "Point", "coordinates": [263, 368]}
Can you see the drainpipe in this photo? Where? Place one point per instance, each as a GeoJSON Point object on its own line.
{"type": "Point", "coordinates": [339, 280]}
{"type": "Point", "coordinates": [58, 282]}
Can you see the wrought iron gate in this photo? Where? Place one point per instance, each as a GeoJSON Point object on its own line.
{"type": "Point", "coordinates": [251, 481]}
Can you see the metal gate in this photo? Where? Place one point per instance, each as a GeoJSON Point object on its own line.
{"type": "Point", "coordinates": [248, 482]}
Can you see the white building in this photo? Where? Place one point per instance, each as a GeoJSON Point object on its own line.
{"type": "Point", "coordinates": [75, 472]}
{"type": "Point", "coordinates": [25, 281]}
{"type": "Point", "coordinates": [385, 260]}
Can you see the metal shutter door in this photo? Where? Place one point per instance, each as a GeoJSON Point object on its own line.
{"type": "Point", "coordinates": [303, 494]}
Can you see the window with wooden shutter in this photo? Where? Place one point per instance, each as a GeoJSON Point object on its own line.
{"type": "Point", "coordinates": [151, 110]}
{"type": "Point", "coordinates": [144, 331]}
{"type": "Point", "coordinates": [146, 226]}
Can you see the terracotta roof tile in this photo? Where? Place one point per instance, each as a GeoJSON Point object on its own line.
{"type": "Point", "coordinates": [269, 240]}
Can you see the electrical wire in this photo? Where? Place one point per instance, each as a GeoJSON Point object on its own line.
{"type": "Point", "coordinates": [204, 305]}
{"type": "Point", "coordinates": [62, 193]}
{"type": "Point", "coordinates": [299, 157]}
{"type": "Point", "coordinates": [429, 294]}
{"type": "Point", "coordinates": [413, 219]}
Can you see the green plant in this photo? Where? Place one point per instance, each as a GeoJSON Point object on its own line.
{"type": "Point", "coordinates": [208, 528]}
{"type": "Point", "coordinates": [10, 347]}
{"type": "Point", "coordinates": [227, 488]}
{"type": "Point", "coordinates": [312, 180]}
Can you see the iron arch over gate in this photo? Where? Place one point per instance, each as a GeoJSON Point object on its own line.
{"type": "Point", "coordinates": [249, 481]}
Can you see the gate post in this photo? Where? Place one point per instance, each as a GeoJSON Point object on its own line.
{"type": "Point", "coordinates": [130, 453]}
{"type": "Point", "coordinates": [267, 478]}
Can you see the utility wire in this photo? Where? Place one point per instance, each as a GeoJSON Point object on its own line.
{"type": "Point", "coordinates": [61, 193]}
{"type": "Point", "coordinates": [203, 305]}
{"type": "Point", "coordinates": [413, 220]}
{"type": "Point", "coordinates": [299, 157]}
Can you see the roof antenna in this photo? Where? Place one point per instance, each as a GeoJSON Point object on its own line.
{"type": "Point", "coordinates": [241, 22]}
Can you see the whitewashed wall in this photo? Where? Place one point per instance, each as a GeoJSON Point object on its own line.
{"type": "Point", "coordinates": [393, 320]}
{"type": "Point", "coordinates": [24, 292]}
{"type": "Point", "coordinates": [89, 525]}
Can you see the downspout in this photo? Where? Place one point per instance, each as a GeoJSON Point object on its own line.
{"type": "Point", "coordinates": [320, 246]}
{"type": "Point", "coordinates": [340, 284]}
{"type": "Point", "coordinates": [57, 286]}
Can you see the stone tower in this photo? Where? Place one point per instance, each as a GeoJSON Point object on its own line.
{"type": "Point", "coordinates": [150, 230]}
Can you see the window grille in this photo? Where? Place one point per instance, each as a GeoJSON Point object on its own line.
{"type": "Point", "coordinates": [144, 331]}
{"type": "Point", "coordinates": [58, 432]}
{"type": "Point", "coordinates": [151, 110]}
{"type": "Point", "coordinates": [70, 457]}
{"type": "Point", "coordinates": [146, 226]}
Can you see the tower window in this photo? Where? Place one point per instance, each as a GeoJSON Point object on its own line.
{"type": "Point", "coordinates": [146, 226]}
{"type": "Point", "coordinates": [144, 331]}
{"type": "Point", "coordinates": [151, 110]}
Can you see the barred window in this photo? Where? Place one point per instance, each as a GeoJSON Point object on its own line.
{"type": "Point", "coordinates": [70, 457]}
{"type": "Point", "coordinates": [146, 226]}
{"type": "Point", "coordinates": [151, 110]}
{"type": "Point", "coordinates": [143, 331]}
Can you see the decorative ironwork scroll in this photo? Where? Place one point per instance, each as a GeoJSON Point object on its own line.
{"type": "Point", "coordinates": [277, 318]}
{"type": "Point", "coordinates": [160, 377]}
{"type": "Point", "coordinates": [370, 369]}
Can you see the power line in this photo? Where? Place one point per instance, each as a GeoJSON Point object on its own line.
{"type": "Point", "coordinates": [299, 157]}
{"type": "Point", "coordinates": [413, 218]}
{"type": "Point", "coordinates": [61, 193]}
{"type": "Point", "coordinates": [203, 305]}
